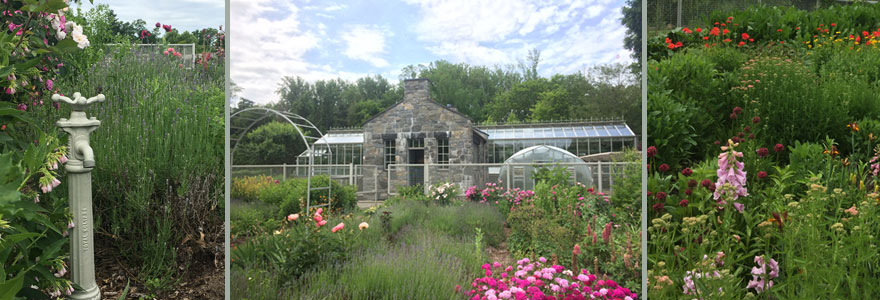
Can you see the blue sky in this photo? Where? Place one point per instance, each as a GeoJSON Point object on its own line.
{"type": "Point", "coordinates": [185, 15]}
{"type": "Point", "coordinates": [320, 40]}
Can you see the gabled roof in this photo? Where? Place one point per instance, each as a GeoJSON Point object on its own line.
{"type": "Point", "coordinates": [429, 100]}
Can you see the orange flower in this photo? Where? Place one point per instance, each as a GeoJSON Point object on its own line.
{"type": "Point", "coordinates": [853, 126]}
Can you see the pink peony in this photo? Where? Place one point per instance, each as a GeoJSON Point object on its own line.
{"type": "Point", "coordinates": [338, 227]}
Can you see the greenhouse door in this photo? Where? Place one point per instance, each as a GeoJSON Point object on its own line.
{"type": "Point", "coordinates": [416, 173]}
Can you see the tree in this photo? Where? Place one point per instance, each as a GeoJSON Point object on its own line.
{"type": "Point", "coordinates": [632, 20]}
{"type": "Point", "coordinates": [529, 67]}
{"type": "Point", "coordinates": [272, 143]}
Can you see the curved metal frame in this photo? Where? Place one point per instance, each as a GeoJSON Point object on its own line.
{"type": "Point", "coordinates": [291, 118]}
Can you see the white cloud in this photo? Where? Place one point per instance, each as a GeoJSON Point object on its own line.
{"type": "Point", "coordinates": [367, 43]}
{"type": "Point", "coordinates": [481, 32]}
{"type": "Point", "coordinates": [336, 7]}
{"type": "Point", "coordinates": [184, 15]}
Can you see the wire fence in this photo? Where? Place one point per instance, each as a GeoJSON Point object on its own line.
{"type": "Point", "coordinates": [373, 183]}
{"type": "Point", "coordinates": [670, 14]}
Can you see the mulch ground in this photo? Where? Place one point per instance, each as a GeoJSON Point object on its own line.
{"type": "Point", "coordinates": [204, 279]}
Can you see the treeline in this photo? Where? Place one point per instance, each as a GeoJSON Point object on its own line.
{"type": "Point", "coordinates": [106, 27]}
{"type": "Point", "coordinates": [486, 95]}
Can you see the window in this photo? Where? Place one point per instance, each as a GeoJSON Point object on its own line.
{"type": "Point", "coordinates": [416, 143]}
{"type": "Point", "coordinates": [443, 151]}
{"type": "Point", "coordinates": [390, 153]}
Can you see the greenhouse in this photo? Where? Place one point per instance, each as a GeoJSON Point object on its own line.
{"type": "Point", "coordinates": [520, 168]}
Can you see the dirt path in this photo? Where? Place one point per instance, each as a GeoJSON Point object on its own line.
{"type": "Point", "coordinates": [500, 253]}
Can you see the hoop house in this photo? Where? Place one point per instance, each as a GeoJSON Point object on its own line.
{"type": "Point", "coordinates": [518, 170]}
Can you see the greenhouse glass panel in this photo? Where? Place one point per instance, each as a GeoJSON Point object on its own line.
{"type": "Point", "coordinates": [529, 158]}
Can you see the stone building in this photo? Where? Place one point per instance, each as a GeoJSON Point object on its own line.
{"type": "Point", "coordinates": [420, 133]}
{"type": "Point", "coordinates": [419, 130]}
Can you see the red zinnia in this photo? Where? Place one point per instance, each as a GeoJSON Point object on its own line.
{"type": "Point", "coordinates": [715, 31]}
{"type": "Point", "coordinates": [745, 36]}
{"type": "Point", "coordinates": [763, 151]}
{"type": "Point", "coordinates": [658, 207]}
{"type": "Point", "coordinates": [652, 151]}
{"type": "Point", "coordinates": [661, 196]}
{"type": "Point", "coordinates": [663, 168]}
{"type": "Point", "coordinates": [778, 148]}
{"type": "Point", "coordinates": [706, 183]}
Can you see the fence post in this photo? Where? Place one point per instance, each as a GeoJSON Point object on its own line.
{"type": "Point", "coordinates": [678, 18]}
{"type": "Point", "coordinates": [599, 171]}
{"type": "Point", "coordinates": [81, 161]}
{"type": "Point", "coordinates": [509, 170]}
{"type": "Point", "coordinates": [427, 177]}
{"type": "Point", "coordinates": [284, 171]}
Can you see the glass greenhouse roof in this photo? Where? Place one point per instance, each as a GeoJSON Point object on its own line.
{"type": "Point", "coordinates": [585, 131]}
{"type": "Point", "coordinates": [342, 138]}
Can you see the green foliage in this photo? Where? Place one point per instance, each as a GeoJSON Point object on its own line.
{"type": "Point", "coordinates": [271, 143]}
{"type": "Point", "coordinates": [290, 195]}
{"type": "Point", "coordinates": [161, 141]}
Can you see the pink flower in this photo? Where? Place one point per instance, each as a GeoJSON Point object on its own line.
{"type": "Point", "coordinates": [322, 223]}
{"type": "Point", "coordinates": [739, 207]}
{"type": "Point", "coordinates": [158, 24]}
{"type": "Point", "coordinates": [338, 227]}
{"type": "Point", "coordinates": [49, 84]}
{"type": "Point", "coordinates": [852, 210]}
{"type": "Point", "coordinates": [363, 226]}
{"type": "Point", "coordinates": [731, 177]}
{"type": "Point", "coordinates": [293, 217]}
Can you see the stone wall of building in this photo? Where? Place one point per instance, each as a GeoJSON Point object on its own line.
{"type": "Point", "coordinates": [417, 116]}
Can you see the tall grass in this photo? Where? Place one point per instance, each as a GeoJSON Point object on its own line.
{"type": "Point", "coordinates": [432, 251]}
{"type": "Point", "coordinates": [159, 156]}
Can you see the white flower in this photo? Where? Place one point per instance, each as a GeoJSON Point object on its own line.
{"type": "Point", "coordinates": [60, 35]}
{"type": "Point", "coordinates": [81, 40]}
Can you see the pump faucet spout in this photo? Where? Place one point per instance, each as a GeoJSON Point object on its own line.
{"type": "Point", "coordinates": [85, 150]}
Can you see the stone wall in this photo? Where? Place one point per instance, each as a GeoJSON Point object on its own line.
{"type": "Point", "coordinates": [418, 116]}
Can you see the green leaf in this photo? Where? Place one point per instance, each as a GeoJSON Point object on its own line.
{"type": "Point", "coordinates": [11, 176]}
{"type": "Point", "coordinates": [53, 5]}
{"type": "Point", "coordinates": [9, 288]}
{"type": "Point", "coordinates": [64, 46]}
{"type": "Point", "coordinates": [15, 238]}
{"type": "Point", "coordinates": [5, 71]}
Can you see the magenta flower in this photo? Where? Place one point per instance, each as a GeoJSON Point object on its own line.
{"type": "Point", "coordinates": [49, 84]}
